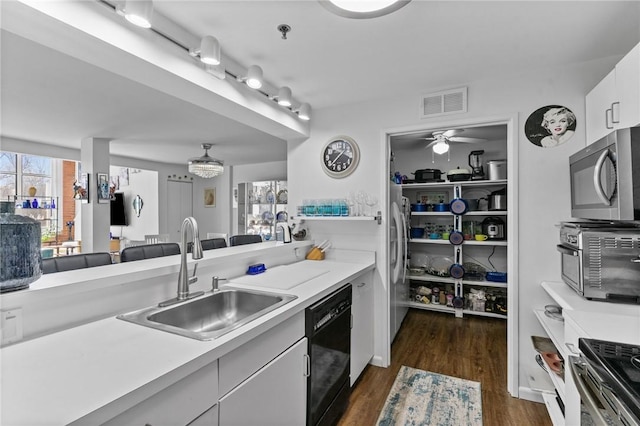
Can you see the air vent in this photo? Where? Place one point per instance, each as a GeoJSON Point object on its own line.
{"type": "Point", "coordinates": [452, 101]}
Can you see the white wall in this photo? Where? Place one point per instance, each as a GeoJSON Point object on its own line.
{"type": "Point", "coordinates": [145, 184]}
{"type": "Point", "coordinates": [542, 175]}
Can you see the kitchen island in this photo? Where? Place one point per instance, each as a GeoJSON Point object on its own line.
{"type": "Point", "coordinates": [93, 371]}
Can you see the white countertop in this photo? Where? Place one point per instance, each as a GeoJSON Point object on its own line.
{"type": "Point", "coordinates": [95, 371]}
{"type": "Point", "coordinates": [615, 322]}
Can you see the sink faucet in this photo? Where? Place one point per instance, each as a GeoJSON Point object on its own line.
{"type": "Point", "coordinates": [184, 280]}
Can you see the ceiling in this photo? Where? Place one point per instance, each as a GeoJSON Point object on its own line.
{"type": "Point", "coordinates": [327, 60]}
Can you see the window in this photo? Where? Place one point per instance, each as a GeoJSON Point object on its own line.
{"type": "Point", "coordinates": [8, 175]}
{"type": "Point", "coordinates": [37, 172]}
{"type": "Point", "coordinates": [19, 172]}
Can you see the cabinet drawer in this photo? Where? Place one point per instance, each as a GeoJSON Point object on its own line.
{"type": "Point", "coordinates": [179, 404]}
{"type": "Point", "coordinates": [238, 365]}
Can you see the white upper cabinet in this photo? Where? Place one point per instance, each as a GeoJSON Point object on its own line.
{"type": "Point", "coordinates": [615, 102]}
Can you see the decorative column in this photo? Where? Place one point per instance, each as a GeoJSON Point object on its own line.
{"type": "Point", "coordinates": [94, 157]}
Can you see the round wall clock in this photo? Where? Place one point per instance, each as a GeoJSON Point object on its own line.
{"type": "Point", "coordinates": [340, 156]}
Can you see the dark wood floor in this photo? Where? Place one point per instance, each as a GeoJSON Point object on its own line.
{"type": "Point", "coordinates": [473, 348]}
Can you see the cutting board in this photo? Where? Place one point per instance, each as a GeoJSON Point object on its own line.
{"type": "Point", "coordinates": [282, 277]}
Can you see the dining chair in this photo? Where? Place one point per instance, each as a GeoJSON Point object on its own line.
{"type": "Point", "coordinates": [218, 235]}
{"type": "Point", "coordinates": [156, 238]}
{"type": "Point", "coordinates": [149, 251]}
{"type": "Point", "coordinates": [239, 240]}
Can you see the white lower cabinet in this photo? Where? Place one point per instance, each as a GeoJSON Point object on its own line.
{"type": "Point", "coordinates": [179, 404]}
{"type": "Point", "coordinates": [208, 418]}
{"type": "Point", "coordinates": [275, 395]}
{"type": "Point", "coordinates": [362, 329]}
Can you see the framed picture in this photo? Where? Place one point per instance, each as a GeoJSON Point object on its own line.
{"type": "Point", "coordinates": [123, 178]}
{"type": "Point", "coordinates": [103, 188]}
{"type": "Point", "coordinates": [550, 126]}
{"type": "Point", "coordinates": [209, 197]}
{"type": "Point", "coordinates": [81, 188]}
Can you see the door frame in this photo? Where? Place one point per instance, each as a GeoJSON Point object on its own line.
{"type": "Point", "coordinates": [511, 121]}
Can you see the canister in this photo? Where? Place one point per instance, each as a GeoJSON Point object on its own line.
{"type": "Point", "coordinates": [497, 169]}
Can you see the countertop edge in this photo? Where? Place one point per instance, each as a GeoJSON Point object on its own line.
{"type": "Point", "coordinates": [168, 371]}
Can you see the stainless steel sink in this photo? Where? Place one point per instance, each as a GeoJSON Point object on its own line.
{"type": "Point", "coordinates": [211, 315]}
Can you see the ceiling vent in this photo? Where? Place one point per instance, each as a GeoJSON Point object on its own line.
{"type": "Point", "coordinates": [452, 101]}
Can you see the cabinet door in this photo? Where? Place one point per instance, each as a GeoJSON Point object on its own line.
{"type": "Point", "coordinates": [275, 395]}
{"type": "Point", "coordinates": [628, 89]}
{"type": "Point", "coordinates": [179, 404]}
{"type": "Point", "coordinates": [362, 330]}
{"type": "Point", "coordinates": [598, 105]}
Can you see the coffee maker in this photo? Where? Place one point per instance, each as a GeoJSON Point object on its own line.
{"type": "Point", "coordinates": [475, 162]}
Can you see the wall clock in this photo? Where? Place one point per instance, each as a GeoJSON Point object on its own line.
{"type": "Point", "coordinates": [340, 156]}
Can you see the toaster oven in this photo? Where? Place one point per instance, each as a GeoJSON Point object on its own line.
{"type": "Point", "coordinates": [601, 261]}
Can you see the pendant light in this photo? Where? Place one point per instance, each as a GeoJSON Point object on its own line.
{"type": "Point", "coordinates": [206, 166]}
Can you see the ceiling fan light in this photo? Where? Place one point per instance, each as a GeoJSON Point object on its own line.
{"type": "Point", "coordinates": [441, 147]}
{"type": "Point", "coordinates": [210, 50]}
{"type": "Point", "coordinates": [139, 12]}
{"type": "Point", "coordinates": [206, 166]}
{"type": "Point", "coordinates": [254, 77]}
{"type": "Point", "coordinates": [284, 96]}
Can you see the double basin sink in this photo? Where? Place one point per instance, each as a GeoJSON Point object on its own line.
{"type": "Point", "coordinates": [210, 315]}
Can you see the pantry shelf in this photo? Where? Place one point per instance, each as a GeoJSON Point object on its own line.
{"type": "Point", "coordinates": [448, 280]}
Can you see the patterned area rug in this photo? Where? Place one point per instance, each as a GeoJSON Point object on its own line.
{"type": "Point", "coordinates": [419, 397]}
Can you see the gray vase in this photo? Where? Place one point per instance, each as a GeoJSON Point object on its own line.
{"type": "Point", "coordinates": [20, 261]}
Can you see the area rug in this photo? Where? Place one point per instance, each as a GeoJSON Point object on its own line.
{"type": "Point", "coordinates": [420, 397]}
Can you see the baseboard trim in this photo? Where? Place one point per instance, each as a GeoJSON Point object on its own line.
{"type": "Point", "coordinates": [530, 394]}
{"type": "Point", "coordinates": [377, 361]}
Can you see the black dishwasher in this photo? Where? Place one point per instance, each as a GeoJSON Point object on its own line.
{"type": "Point", "coordinates": [328, 329]}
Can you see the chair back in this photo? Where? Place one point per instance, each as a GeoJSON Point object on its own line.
{"type": "Point", "coordinates": [149, 251]}
{"type": "Point", "coordinates": [209, 244]}
{"type": "Point", "coordinates": [156, 238]}
{"type": "Point", "coordinates": [75, 261]}
{"type": "Point", "coordinates": [218, 235]}
{"type": "Point", "coordinates": [239, 240]}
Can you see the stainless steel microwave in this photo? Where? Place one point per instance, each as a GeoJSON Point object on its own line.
{"type": "Point", "coordinates": [605, 178]}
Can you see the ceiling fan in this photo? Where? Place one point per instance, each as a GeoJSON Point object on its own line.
{"type": "Point", "coordinates": [442, 138]}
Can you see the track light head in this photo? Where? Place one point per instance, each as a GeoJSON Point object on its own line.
{"type": "Point", "coordinates": [284, 96]}
{"type": "Point", "coordinates": [304, 112]}
{"type": "Point", "coordinates": [138, 12]}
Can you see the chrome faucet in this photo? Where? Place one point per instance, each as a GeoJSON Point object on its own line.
{"type": "Point", "coordinates": [184, 280]}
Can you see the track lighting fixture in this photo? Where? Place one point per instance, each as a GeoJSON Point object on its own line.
{"type": "Point", "coordinates": [209, 51]}
{"type": "Point", "coordinates": [138, 12]}
{"type": "Point", "coordinates": [253, 78]}
{"type": "Point", "coordinates": [304, 112]}
{"type": "Point", "coordinates": [284, 96]}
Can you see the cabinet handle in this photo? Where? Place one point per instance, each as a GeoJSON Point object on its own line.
{"type": "Point", "coordinates": [613, 114]}
{"type": "Point", "coordinates": [572, 348]}
{"type": "Point", "coordinates": [307, 365]}
{"type": "Point", "coordinates": [606, 117]}
{"type": "Point", "coordinates": [636, 260]}
{"type": "Point", "coordinates": [362, 284]}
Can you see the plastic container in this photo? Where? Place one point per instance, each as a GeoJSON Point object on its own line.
{"type": "Point", "coordinates": [498, 277]}
{"type": "Point", "coordinates": [497, 169]}
{"type": "Point", "coordinates": [256, 269]}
